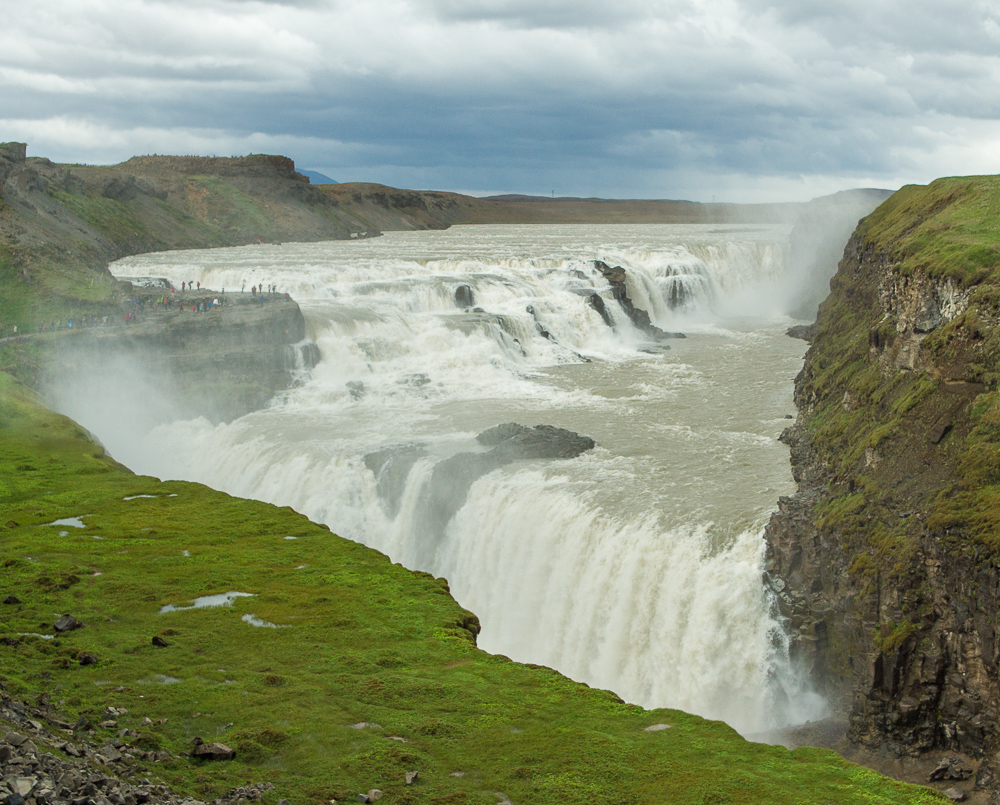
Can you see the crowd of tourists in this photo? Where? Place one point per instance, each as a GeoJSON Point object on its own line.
{"type": "Point", "coordinates": [139, 307]}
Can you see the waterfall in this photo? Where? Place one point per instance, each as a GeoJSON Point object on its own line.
{"type": "Point", "coordinates": [635, 566]}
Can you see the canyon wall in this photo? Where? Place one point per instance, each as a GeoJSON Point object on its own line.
{"type": "Point", "coordinates": [885, 561]}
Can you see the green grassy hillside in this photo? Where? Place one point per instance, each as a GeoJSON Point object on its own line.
{"type": "Point", "coordinates": [358, 639]}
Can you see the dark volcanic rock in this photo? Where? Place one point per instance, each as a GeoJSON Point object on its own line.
{"type": "Point", "coordinates": [67, 623]}
{"type": "Point", "coordinates": [513, 442]}
{"type": "Point", "coordinates": [807, 332]}
{"type": "Point", "coordinates": [464, 297]}
{"type": "Point", "coordinates": [391, 466]}
{"type": "Point", "coordinates": [903, 645]}
{"type": "Point", "coordinates": [640, 318]}
{"type": "Point", "coordinates": [211, 751]}
{"type": "Point", "coordinates": [597, 303]}
{"type": "Point", "coordinates": [38, 766]}
{"type": "Point", "coordinates": [452, 478]}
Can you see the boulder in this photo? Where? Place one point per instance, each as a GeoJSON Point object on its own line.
{"type": "Point", "coordinates": [12, 599]}
{"type": "Point", "coordinates": [464, 297]}
{"type": "Point", "coordinates": [950, 769]}
{"type": "Point", "coordinates": [411, 777]}
{"type": "Point", "coordinates": [807, 332]}
{"type": "Point", "coordinates": [212, 751]}
{"type": "Point", "coordinates": [512, 442]}
{"type": "Point", "coordinates": [67, 623]}
{"type": "Point", "coordinates": [159, 642]}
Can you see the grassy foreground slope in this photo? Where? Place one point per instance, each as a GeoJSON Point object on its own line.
{"type": "Point", "coordinates": [359, 640]}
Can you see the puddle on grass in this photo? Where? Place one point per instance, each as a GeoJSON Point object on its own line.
{"type": "Point", "coordinates": [302, 567]}
{"type": "Point", "coordinates": [73, 522]}
{"type": "Point", "coordinates": [291, 537]}
{"type": "Point", "coordinates": [186, 553]}
{"type": "Point", "coordinates": [35, 634]}
{"type": "Point", "coordinates": [161, 679]}
{"type": "Point", "coordinates": [136, 497]}
{"type": "Point", "coordinates": [253, 620]}
{"type": "Point", "coordinates": [220, 600]}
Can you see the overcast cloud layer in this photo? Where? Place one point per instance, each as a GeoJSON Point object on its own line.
{"type": "Point", "coordinates": [741, 100]}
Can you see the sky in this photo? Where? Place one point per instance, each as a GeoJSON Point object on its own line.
{"type": "Point", "coordinates": [727, 100]}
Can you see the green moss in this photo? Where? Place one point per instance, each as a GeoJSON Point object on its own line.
{"type": "Point", "coordinates": [893, 636]}
{"type": "Point", "coordinates": [946, 229]}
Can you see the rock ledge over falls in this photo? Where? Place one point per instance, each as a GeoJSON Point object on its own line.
{"type": "Point", "coordinates": [220, 363]}
{"type": "Point", "coordinates": [886, 560]}
{"type": "Point", "coordinates": [452, 477]}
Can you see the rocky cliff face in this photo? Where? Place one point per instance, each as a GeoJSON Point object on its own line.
{"type": "Point", "coordinates": [886, 560]}
{"type": "Point", "coordinates": [221, 364]}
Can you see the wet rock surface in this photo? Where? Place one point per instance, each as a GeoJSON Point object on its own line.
{"type": "Point", "coordinates": [453, 477]}
{"type": "Point", "coordinates": [807, 332]}
{"type": "Point", "coordinates": [639, 317]}
{"type": "Point", "coordinates": [222, 363]}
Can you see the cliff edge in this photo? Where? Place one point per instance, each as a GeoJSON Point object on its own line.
{"type": "Point", "coordinates": [885, 561]}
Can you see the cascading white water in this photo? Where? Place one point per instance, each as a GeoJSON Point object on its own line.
{"type": "Point", "coordinates": [636, 566]}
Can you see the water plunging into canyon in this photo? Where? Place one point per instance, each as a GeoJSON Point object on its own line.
{"type": "Point", "coordinates": [635, 566]}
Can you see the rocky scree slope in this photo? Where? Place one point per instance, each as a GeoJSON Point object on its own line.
{"type": "Point", "coordinates": [886, 560]}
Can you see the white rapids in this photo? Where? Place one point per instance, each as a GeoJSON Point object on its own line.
{"type": "Point", "coordinates": [636, 566]}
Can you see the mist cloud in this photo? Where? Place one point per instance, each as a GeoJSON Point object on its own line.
{"type": "Point", "coordinates": [750, 100]}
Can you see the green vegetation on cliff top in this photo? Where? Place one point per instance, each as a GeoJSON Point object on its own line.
{"type": "Point", "coordinates": [949, 228]}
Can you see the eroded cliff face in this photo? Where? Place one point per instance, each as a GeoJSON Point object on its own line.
{"type": "Point", "coordinates": [886, 560]}
{"type": "Point", "coordinates": [220, 364]}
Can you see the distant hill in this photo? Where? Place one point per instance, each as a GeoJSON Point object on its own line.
{"type": "Point", "coordinates": [315, 177]}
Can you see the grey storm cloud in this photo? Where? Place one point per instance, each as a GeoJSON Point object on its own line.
{"type": "Point", "coordinates": [750, 99]}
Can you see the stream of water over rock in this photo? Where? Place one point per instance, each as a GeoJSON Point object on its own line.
{"type": "Point", "coordinates": [635, 566]}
